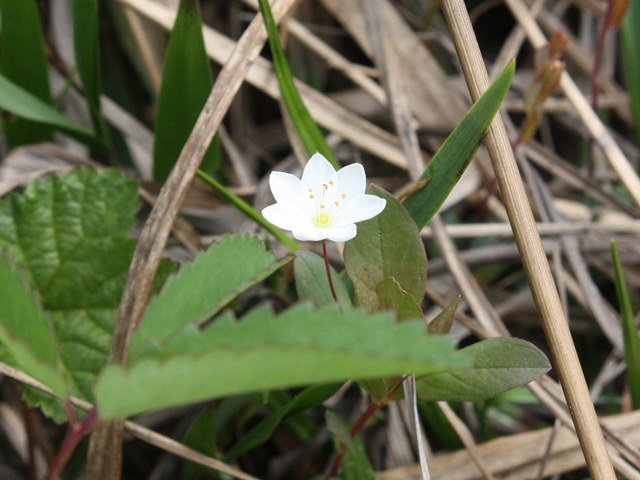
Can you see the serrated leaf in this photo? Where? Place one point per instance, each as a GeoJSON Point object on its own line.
{"type": "Point", "coordinates": [26, 333]}
{"type": "Point", "coordinates": [388, 245]}
{"type": "Point", "coordinates": [259, 434]}
{"type": "Point", "coordinates": [453, 157]}
{"type": "Point", "coordinates": [312, 283]}
{"type": "Point", "coordinates": [21, 103]}
{"type": "Point", "coordinates": [186, 83]}
{"type": "Point", "coordinates": [69, 234]}
{"type": "Point", "coordinates": [307, 129]}
{"type": "Point", "coordinates": [23, 61]}
{"type": "Point", "coordinates": [301, 346]}
{"type": "Point", "coordinates": [392, 297]}
{"type": "Point", "coordinates": [203, 287]}
{"type": "Point", "coordinates": [498, 365]}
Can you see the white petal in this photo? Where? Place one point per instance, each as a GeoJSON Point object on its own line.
{"type": "Point", "coordinates": [362, 207]}
{"type": "Point", "coordinates": [309, 232]}
{"type": "Point", "coordinates": [342, 233]}
{"type": "Point", "coordinates": [285, 216]}
{"type": "Point", "coordinates": [287, 188]}
{"type": "Point", "coordinates": [318, 171]}
{"type": "Point", "coordinates": [352, 180]}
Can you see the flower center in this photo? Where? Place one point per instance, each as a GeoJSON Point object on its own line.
{"type": "Point", "coordinates": [325, 203]}
{"type": "Point", "coordinates": [322, 218]}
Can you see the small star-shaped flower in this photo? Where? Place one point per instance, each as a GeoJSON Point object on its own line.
{"type": "Point", "coordinates": [323, 204]}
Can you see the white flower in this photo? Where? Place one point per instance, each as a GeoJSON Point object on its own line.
{"type": "Point", "coordinates": [323, 204]}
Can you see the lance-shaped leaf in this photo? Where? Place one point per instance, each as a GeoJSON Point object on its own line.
{"type": "Point", "coordinates": [23, 61]}
{"type": "Point", "coordinates": [202, 288]}
{"type": "Point", "coordinates": [186, 83]}
{"type": "Point", "coordinates": [26, 333]}
{"type": "Point", "coordinates": [498, 365]}
{"type": "Point", "coordinates": [631, 60]}
{"type": "Point", "coordinates": [302, 346]}
{"type": "Point", "coordinates": [453, 157]}
{"type": "Point", "coordinates": [307, 129]}
{"type": "Point", "coordinates": [387, 246]}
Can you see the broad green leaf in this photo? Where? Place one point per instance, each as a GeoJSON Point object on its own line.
{"type": "Point", "coordinates": [23, 61]}
{"type": "Point", "coordinates": [631, 60]}
{"type": "Point", "coordinates": [312, 283]}
{"type": "Point", "coordinates": [498, 365]}
{"type": "Point", "coordinates": [86, 47]}
{"type": "Point", "coordinates": [453, 157]}
{"type": "Point", "coordinates": [186, 83]}
{"type": "Point", "coordinates": [443, 322]}
{"type": "Point", "coordinates": [21, 103]}
{"type": "Point", "coordinates": [69, 234]}
{"type": "Point", "coordinates": [247, 210]}
{"type": "Point", "coordinates": [392, 297]}
{"type": "Point", "coordinates": [201, 288]}
{"type": "Point", "coordinates": [26, 333]}
{"type": "Point", "coordinates": [310, 397]}
{"type": "Point", "coordinates": [388, 245]}
{"type": "Point", "coordinates": [300, 347]}
{"type": "Point", "coordinates": [629, 328]}
{"type": "Point", "coordinates": [307, 129]}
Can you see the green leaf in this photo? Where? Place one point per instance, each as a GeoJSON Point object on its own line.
{"type": "Point", "coordinates": [69, 234]}
{"type": "Point", "coordinates": [355, 464]}
{"type": "Point", "coordinates": [247, 210]}
{"type": "Point", "coordinates": [498, 365]}
{"type": "Point", "coordinates": [393, 297]}
{"type": "Point", "coordinates": [312, 283]}
{"type": "Point", "coordinates": [443, 322]}
{"type": "Point", "coordinates": [201, 436]}
{"type": "Point", "coordinates": [23, 61]}
{"type": "Point", "coordinates": [386, 246]}
{"type": "Point", "coordinates": [186, 83]}
{"type": "Point", "coordinates": [629, 328]}
{"type": "Point", "coordinates": [202, 288]}
{"type": "Point", "coordinates": [21, 103]}
{"type": "Point", "coordinates": [308, 398]}
{"type": "Point", "coordinates": [86, 47]}
{"type": "Point", "coordinates": [302, 346]}
{"type": "Point", "coordinates": [26, 332]}
{"type": "Point", "coordinates": [307, 129]}
{"type": "Point", "coordinates": [453, 157]}
{"type": "Point", "coordinates": [631, 60]}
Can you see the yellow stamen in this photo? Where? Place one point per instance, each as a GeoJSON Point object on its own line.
{"type": "Point", "coordinates": [344, 195]}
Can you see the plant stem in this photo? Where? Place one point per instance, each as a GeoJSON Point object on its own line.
{"type": "Point", "coordinates": [75, 433]}
{"type": "Point", "coordinates": [328, 267]}
{"type": "Point", "coordinates": [362, 421]}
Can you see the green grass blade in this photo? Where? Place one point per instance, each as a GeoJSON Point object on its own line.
{"type": "Point", "coordinates": [87, 54]}
{"type": "Point", "coordinates": [248, 210]}
{"type": "Point", "coordinates": [629, 329]}
{"type": "Point", "coordinates": [186, 83]}
{"type": "Point", "coordinates": [23, 61]}
{"type": "Point", "coordinates": [631, 63]}
{"type": "Point", "coordinates": [308, 130]}
{"type": "Point", "coordinates": [456, 153]}
{"type": "Point", "coordinates": [21, 103]}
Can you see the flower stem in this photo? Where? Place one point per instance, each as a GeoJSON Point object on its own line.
{"type": "Point", "coordinates": [75, 433]}
{"type": "Point", "coordinates": [326, 264]}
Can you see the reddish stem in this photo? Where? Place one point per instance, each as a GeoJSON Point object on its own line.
{"type": "Point", "coordinates": [326, 264]}
{"type": "Point", "coordinates": [362, 421]}
{"type": "Point", "coordinates": [76, 431]}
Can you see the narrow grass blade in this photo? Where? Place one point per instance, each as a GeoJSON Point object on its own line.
{"type": "Point", "coordinates": [631, 63]}
{"type": "Point", "coordinates": [453, 157]}
{"type": "Point", "coordinates": [23, 61]}
{"type": "Point", "coordinates": [186, 83]}
{"type": "Point", "coordinates": [629, 329]}
{"type": "Point", "coordinates": [248, 210]}
{"type": "Point", "coordinates": [308, 130]}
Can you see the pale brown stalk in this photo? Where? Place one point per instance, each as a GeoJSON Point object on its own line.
{"type": "Point", "coordinates": [534, 259]}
